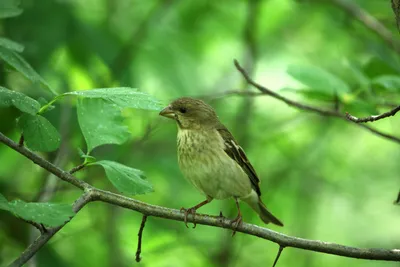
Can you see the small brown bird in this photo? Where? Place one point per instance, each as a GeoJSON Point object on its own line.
{"type": "Point", "coordinates": [210, 158]}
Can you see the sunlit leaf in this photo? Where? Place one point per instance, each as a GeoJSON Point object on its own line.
{"type": "Point", "coordinates": [9, 8]}
{"type": "Point", "coordinates": [318, 79]}
{"type": "Point", "coordinates": [101, 123]}
{"type": "Point", "coordinates": [39, 133]}
{"type": "Point", "coordinates": [19, 100]}
{"type": "Point", "coordinates": [16, 61]}
{"type": "Point", "coordinates": [124, 97]}
{"type": "Point", "coordinates": [389, 82]}
{"type": "Point", "coordinates": [9, 44]}
{"type": "Point", "coordinates": [126, 179]}
{"type": "Point", "coordinates": [49, 214]}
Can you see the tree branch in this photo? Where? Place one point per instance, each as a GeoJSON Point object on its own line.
{"type": "Point", "coordinates": [278, 255]}
{"type": "Point", "coordinates": [369, 21]}
{"type": "Point", "coordinates": [140, 234]}
{"type": "Point", "coordinates": [63, 175]}
{"type": "Point", "coordinates": [374, 117]}
{"type": "Point", "coordinates": [298, 105]}
{"type": "Point", "coordinates": [77, 168]}
{"type": "Point", "coordinates": [33, 248]}
{"type": "Point", "coordinates": [94, 194]}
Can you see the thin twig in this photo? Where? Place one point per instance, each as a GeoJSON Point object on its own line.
{"type": "Point", "coordinates": [373, 117]}
{"type": "Point", "coordinates": [369, 21]}
{"type": "Point", "coordinates": [173, 214]}
{"type": "Point", "coordinates": [336, 100]}
{"type": "Point", "coordinates": [140, 234]}
{"type": "Point", "coordinates": [397, 201]}
{"type": "Point", "coordinates": [77, 168]}
{"type": "Point", "coordinates": [278, 255]}
{"type": "Point", "coordinates": [298, 105]}
{"type": "Point", "coordinates": [21, 140]}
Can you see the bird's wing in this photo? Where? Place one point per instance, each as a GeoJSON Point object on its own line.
{"type": "Point", "coordinates": [237, 154]}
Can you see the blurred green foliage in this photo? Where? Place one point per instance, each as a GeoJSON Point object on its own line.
{"type": "Point", "coordinates": [325, 178]}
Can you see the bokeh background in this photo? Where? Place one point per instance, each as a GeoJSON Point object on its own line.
{"type": "Point", "coordinates": [325, 178]}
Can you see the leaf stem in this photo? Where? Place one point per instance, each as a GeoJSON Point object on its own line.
{"type": "Point", "coordinates": [45, 107]}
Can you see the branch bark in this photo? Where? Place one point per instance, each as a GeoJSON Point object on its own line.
{"type": "Point", "coordinates": [140, 234]}
{"type": "Point", "coordinates": [49, 233]}
{"type": "Point", "coordinates": [374, 117]}
{"type": "Point", "coordinates": [94, 194]}
{"type": "Point", "coordinates": [323, 112]}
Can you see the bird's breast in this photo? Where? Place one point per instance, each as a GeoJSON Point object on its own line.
{"type": "Point", "coordinates": [205, 164]}
{"type": "Point", "coordinates": [199, 148]}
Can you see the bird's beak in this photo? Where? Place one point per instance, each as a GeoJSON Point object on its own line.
{"type": "Point", "coordinates": [168, 112]}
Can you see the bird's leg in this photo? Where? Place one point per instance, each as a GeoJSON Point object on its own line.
{"type": "Point", "coordinates": [192, 211]}
{"type": "Point", "coordinates": [238, 220]}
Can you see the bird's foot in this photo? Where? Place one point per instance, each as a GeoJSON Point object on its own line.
{"type": "Point", "coordinates": [236, 222]}
{"type": "Point", "coordinates": [187, 212]}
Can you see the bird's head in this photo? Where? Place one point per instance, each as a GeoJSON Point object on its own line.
{"type": "Point", "coordinates": [190, 113]}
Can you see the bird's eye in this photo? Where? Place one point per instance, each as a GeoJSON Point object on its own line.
{"type": "Point", "coordinates": [182, 110]}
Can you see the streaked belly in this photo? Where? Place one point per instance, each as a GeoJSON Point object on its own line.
{"type": "Point", "coordinates": [210, 169]}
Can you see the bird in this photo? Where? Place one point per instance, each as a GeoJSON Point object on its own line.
{"type": "Point", "coordinates": [212, 160]}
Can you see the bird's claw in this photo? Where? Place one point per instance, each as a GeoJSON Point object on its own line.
{"type": "Point", "coordinates": [187, 212]}
{"type": "Point", "coordinates": [236, 222]}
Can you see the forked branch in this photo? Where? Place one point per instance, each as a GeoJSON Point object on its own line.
{"type": "Point", "coordinates": [94, 194]}
{"type": "Point", "coordinates": [323, 112]}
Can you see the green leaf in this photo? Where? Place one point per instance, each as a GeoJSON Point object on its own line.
{"type": "Point", "coordinates": [101, 123]}
{"type": "Point", "coordinates": [49, 214]}
{"type": "Point", "coordinates": [318, 79]}
{"type": "Point", "coordinates": [127, 180]}
{"type": "Point", "coordinates": [39, 133]}
{"type": "Point", "coordinates": [360, 107]}
{"type": "Point", "coordinates": [16, 61]}
{"type": "Point", "coordinates": [9, 8]}
{"type": "Point", "coordinates": [123, 97]}
{"type": "Point", "coordinates": [389, 82]}
{"type": "Point", "coordinates": [19, 100]}
{"type": "Point", "coordinates": [9, 44]}
{"type": "Point", "coordinates": [376, 67]}
{"type": "Point", "coordinates": [385, 54]}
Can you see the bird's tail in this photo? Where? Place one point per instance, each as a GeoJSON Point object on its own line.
{"type": "Point", "coordinates": [258, 206]}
